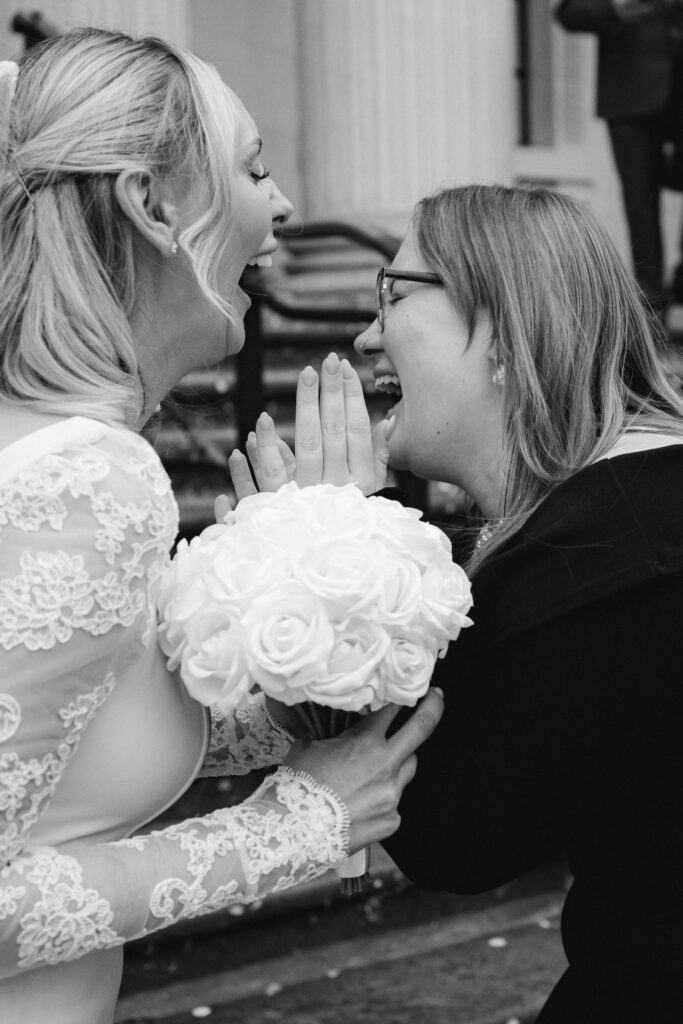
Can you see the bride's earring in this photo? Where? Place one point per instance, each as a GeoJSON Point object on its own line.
{"type": "Point", "coordinates": [499, 375]}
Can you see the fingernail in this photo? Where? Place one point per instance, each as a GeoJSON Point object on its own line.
{"type": "Point", "coordinates": [251, 436]}
{"type": "Point", "coordinates": [264, 421]}
{"type": "Point", "coordinates": [309, 376]}
{"type": "Point", "coordinates": [437, 689]}
{"type": "Point", "coordinates": [389, 429]}
{"type": "Point", "coordinates": [332, 363]}
{"type": "Point", "coordinates": [348, 372]}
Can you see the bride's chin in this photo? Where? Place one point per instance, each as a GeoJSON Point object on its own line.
{"type": "Point", "coordinates": [234, 338]}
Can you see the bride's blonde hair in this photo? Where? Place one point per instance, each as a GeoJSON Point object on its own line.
{"type": "Point", "coordinates": [88, 105]}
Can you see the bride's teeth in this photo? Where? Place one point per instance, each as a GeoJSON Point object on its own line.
{"type": "Point", "coordinates": [265, 260]}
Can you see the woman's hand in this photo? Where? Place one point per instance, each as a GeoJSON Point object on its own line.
{"type": "Point", "coordinates": [367, 770]}
{"type": "Point", "coordinates": [333, 438]}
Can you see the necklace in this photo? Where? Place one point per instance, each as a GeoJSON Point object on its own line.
{"type": "Point", "coordinates": [487, 531]}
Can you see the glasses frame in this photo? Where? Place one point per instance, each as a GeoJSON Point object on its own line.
{"type": "Point", "coordinates": [388, 273]}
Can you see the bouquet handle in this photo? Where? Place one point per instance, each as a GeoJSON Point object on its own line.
{"type": "Point", "coordinates": [354, 872]}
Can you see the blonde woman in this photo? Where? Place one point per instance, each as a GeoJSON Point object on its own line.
{"type": "Point", "coordinates": [521, 365]}
{"type": "Point", "coordinates": [132, 196]}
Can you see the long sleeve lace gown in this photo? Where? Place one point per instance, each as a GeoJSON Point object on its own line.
{"type": "Point", "coordinates": [97, 737]}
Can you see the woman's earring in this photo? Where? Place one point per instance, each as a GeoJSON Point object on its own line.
{"type": "Point", "coordinates": [173, 249]}
{"type": "Point", "coordinates": [499, 376]}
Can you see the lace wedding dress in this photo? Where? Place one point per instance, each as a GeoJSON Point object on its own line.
{"type": "Point", "coordinates": [97, 737]}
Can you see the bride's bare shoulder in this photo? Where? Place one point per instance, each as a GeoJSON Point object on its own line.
{"type": "Point", "coordinates": [16, 422]}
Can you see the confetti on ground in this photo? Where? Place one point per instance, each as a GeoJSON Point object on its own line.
{"type": "Point", "coordinates": [497, 942]}
{"type": "Point", "coordinates": [272, 989]}
{"type": "Point", "coordinates": [201, 1011]}
{"type": "Point", "coordinates": [332, 973]}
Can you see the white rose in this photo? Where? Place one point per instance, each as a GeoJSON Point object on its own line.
{"type": "Point", "coordinates": [400, 593]}
{"type": "Point", "coordinates": [446, 599]}
{"type": "Point", "coordinates": [244, 568]}
{"type": "Point", "coordinates": [346, 573]}
{"type": "Point", "coordinates": [216, 672]}
{"type": "Point", "coordinates": [288, 639]}
{"type": "Point", "coordinates": [406, 670]}
{"type": "Point", "coordinates": [403, 531]}
{"type": "Point", "coordinates": [189, 604]}
{"type": "Point", "coordinates": [340, 511]}
{"type": "Point", "coordinates": [352, 679]}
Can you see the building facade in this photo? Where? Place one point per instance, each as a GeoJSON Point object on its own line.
{"type": "Point", "coordinates": [365, 105]}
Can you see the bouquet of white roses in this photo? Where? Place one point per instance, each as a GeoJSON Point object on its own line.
{"type": "Point", "coordinates": [313, 594]}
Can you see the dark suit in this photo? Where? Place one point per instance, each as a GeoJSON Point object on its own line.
{"type": "Point", "coordinates": [640, 95]}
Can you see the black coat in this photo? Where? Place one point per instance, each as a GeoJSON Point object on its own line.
{"type": "Point", "coordinates": [635, 59]}
{"type": "Point", "coordinates": [563, 731]}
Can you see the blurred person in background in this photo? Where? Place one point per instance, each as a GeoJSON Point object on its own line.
{"type": "Point", "coordinates": [640, 97]}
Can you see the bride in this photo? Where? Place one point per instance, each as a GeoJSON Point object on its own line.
{"type": "Point", "coordinates": [132, 196]}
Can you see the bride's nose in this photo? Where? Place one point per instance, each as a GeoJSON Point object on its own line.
{"type": "Point", "coordinates": [369, 341]}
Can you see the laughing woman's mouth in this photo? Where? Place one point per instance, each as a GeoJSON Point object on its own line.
{"type": "Point", "coordinates": [264, 260]}
{"type": "Point", "coordinates": [388, 384]}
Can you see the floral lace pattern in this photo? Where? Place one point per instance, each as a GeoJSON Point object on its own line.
{"type": "Point", "coordinates": [291, 826]}
{"type": "Point", "coordinates": [85, 532]}
{"type": "Point", "coordinates": [26, 787]}
{"type": "Point", "coordinates": [53, 593]}
{"type": "Point", "coordinates": [68, 920]}
{"type": "Point", "coordinates": [10, 716]}
{"type": "Point", "coordinates": [245, 740]}
{"type": "Point", "coordinates": [291, 829]}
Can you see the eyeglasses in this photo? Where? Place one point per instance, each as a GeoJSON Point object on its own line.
{"type": "Point", "coordinates": [386, 273]}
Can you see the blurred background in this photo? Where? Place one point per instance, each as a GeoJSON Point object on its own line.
{"type": "Point", "coordinates": [364, 106]}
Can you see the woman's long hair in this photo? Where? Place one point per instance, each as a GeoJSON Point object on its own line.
{"type": "Point", "coordinates": [569, 325]}
{"type": "Point", "coordinates": [88, 105]}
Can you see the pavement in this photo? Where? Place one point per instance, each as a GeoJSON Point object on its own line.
{"type": "Point", "coordinates": [393, 955]}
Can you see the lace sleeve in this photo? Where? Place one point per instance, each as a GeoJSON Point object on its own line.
{"type": "Point", "coordinates": [84, 535]}
{"type": "Point", "coordinates": [247, 739]}
{"type": "Point", "coordinates": [59, 906]}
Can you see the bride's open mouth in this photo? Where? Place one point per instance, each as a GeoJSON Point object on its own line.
{"type": "Point", "coordinates": [263, 258]}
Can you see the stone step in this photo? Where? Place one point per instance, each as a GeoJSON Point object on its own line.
{"type": "Point", "coordinates": [245, 966]}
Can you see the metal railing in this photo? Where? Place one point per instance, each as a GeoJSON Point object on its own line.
{"type": "Point", "coordinates": [250, 398]}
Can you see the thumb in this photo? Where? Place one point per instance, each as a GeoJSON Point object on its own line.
{"type": "Point", "coordinates": [221, 506]}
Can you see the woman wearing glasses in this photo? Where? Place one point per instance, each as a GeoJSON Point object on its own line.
{"type": "Point", "coordinates": [523, 367]}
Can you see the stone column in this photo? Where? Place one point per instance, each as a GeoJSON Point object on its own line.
{"type": "Point", "coordinates": [399, 97]}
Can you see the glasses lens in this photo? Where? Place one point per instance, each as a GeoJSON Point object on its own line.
{"type": "Point", "coordinates": [380, 298]}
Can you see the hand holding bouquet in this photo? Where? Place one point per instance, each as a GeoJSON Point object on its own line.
{"type": "Point", "coordinates": [313, 594]}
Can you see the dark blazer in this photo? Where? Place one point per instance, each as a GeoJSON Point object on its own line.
{"type": "Point", "coordinates": [635, 59]}
{"type": "Point", "coordinates": [562, 732]}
